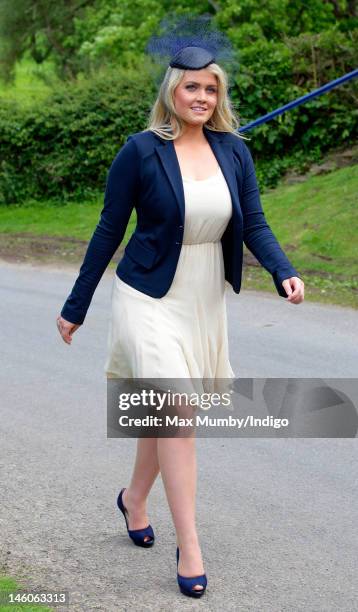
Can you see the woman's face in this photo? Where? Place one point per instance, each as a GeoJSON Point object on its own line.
{"type": "Point", "coordinates": [195, 97]}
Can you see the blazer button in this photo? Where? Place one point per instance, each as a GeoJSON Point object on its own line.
{"type": "Point", "coordinates": [177, 242]}
{"type": "Point", "coordinates": [181, 226]}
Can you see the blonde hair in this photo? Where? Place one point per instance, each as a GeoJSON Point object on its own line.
{"type": "Point", "coordinates": [164, 120]}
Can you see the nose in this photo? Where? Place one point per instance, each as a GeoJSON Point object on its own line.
{"type": "Point", "coordinates": [201, 97]}
{"type": "Point", "coordinates": [201, 101]}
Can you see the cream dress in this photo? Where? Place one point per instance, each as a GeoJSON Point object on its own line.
{"type": "Point", "coordinates": [184, 333]}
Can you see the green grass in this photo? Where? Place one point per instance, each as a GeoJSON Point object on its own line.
{"type": "Point", "coordinates": [75, 220]}
{"type": "Point", "coordinates": [315, 221]}
{"type": "Point", "coordinates": [10, 585]}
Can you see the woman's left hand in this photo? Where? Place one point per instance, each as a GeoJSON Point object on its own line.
{"type": "Point", "coordinates": [295, 289]}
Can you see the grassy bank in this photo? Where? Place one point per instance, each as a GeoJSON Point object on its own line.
{"type": "Point", "coordinates": [315, 221]}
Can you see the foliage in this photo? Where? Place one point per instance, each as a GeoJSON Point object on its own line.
{"type": "Point", "coordinates": [80, 35]}
{"type": "Point", "coordinates": [63, 148]}
{"type": "Point", "coordinates": [62, 145]}
{"type": "Point", "coordinates": [273, 73]}
{"type": "Point", "coordinates": [42, 27]}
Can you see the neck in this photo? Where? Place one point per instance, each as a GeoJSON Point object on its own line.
{"type": "Point", "coordinates": [192, 133]}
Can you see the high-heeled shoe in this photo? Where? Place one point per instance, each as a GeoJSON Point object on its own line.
{"type": "Point", "coordinates": [187, 584]}
{"type": "Point", "coordinates": [137, 535]}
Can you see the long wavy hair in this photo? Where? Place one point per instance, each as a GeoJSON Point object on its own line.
{"type": "Point", "coordinates": [164, 120]}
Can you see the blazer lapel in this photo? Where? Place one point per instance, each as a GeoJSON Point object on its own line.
{"type": "Point", "coordinates": [222, 150]}
{"type": "Point", "coordinates": [171, 166]}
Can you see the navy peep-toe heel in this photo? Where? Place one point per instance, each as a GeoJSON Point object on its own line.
{"type": "Point", "coordinates": [186, 584]}
{"type": "Point", "coordinates": [137, 535]}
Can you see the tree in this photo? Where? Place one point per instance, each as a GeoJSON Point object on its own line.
{"type": "Point", "coordinates": [42, 28]}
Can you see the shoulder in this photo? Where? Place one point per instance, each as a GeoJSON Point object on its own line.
{"type": "Point", "coordinates": [144, 141]}
{"type": "Point", "coordinates": [234, 139]}
{"type": "Point", "coordinates": [145, 136]}
{"type": "Point", "coordinates": [237, 141]}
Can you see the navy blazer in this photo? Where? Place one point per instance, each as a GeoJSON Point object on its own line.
{"type": "Point", "coordinates": [146, 175]}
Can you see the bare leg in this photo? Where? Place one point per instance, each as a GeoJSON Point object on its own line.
{"type": "Point", "coordinates": [177, 460]}
{"type": "Point", "coordinates": [145, 471]}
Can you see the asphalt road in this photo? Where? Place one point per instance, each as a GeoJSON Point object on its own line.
{"type": "Point", "coordinates": [277, 517]}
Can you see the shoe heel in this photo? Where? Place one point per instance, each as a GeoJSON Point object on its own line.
{"type": "Point", "coordinates": [187, 584]}
{"type": "Point", "coordinates": [136, 535]}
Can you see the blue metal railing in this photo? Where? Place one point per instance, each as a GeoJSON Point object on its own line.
{"type": "Point", "coordinates": [300, 100]}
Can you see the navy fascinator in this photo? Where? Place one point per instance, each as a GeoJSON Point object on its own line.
{"type": "Point", "coordinates": [190, 43]}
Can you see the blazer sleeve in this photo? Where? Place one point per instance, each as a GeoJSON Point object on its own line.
{"type": "Point", "coordinates": [119, 199]}
{"type": "Point", "coordinates": [257, 234]}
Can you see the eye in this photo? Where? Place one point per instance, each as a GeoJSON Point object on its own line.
{"type": "Point", "coordinates": [211, 89]}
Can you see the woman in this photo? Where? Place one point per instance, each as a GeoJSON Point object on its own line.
{"type": "Point", "coordinates": [192, 181]}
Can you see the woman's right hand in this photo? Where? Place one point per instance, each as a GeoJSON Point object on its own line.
{"type": "Point", "coordinates": [66, 329]}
